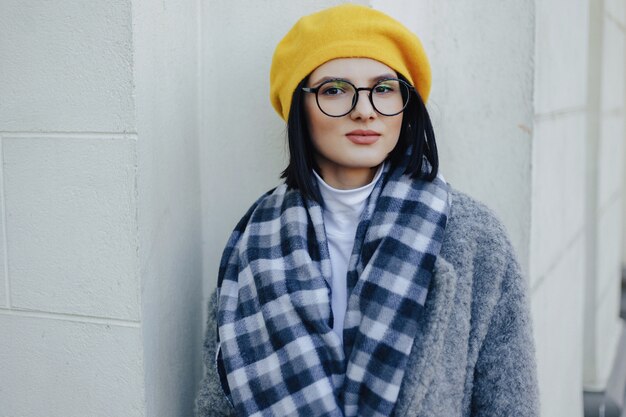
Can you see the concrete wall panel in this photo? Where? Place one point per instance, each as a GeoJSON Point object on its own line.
{"type": "Point", "coordinates": [58, 368]}
{"type": "Point", "coordinates": [561, 55]}
{"type": "Point", "coordinates": [71, 225]}
{"type": "Point", "coordinates": [559, 340]}
{"type": "Point", "coordinates": [558, 149]}
{"type": "Point", "coordinates": [66, 66]}
{"type": "Point", "coordinates": [608, 253]}
{"type": "Point", "coordinates": [611, 154]}
{"type": "Point", "coordinates": [559, 174]}
{"type": "Point", "coordinates": [608, 330]}
{"type": "Point", "coordinates": [604, 197]}
{"type": "Point", "coordinates": [166, 52]}
{"type": "Point", "coordinates": [616, 9]}
{"type": "Point", "coordinates": [613, 78]}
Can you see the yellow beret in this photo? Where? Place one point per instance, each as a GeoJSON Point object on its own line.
{"type": "Point", "coordinates": [345, 31]}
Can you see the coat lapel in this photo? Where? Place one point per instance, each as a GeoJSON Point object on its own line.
{"type": "Point", "coordinates": [428, 342]}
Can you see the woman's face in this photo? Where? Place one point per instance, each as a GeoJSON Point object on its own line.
{"type": "Point", "coordinates": [351, 147]}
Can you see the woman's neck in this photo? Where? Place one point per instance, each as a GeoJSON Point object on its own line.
{"type": "Point", "coordinates": [347, 178]}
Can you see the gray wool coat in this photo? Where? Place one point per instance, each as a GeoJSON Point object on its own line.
{"type": "Point", "coordinates": [474, 353]}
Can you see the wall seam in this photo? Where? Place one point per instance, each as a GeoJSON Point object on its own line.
{"type": "Point", "coordinates": [566, 111]}
{"type": "Point", "coordinates": [69, 317]}
{"type": "Point", "coordinates": [607, 205]}
{"type": "Point", "coordinates": [69, 135]}
{"type": "Point", "coordinates": [608, 288]}
{"type": "Point", "coordinates": [614, 112]}
{"type": "Point", "coordinates": [568, 246]}
{"type": "Point", "coordinates": [615, 21]}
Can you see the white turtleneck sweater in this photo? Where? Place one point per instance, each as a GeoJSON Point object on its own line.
{"type": "Point", "coordinates": [342, 212]}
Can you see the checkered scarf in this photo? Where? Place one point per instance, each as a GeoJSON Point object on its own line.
{"type": "Point", "coordinates": [276, 340]}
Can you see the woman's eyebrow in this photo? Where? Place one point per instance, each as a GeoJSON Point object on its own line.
{"type": "Point", "coordinates": [327, 78]}
{"type": "Point", "coordinates": [383, 77]}
{"type": "Point", "coordinates": [373, 79]}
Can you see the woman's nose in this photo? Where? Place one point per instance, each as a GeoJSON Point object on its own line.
{"type": "Point", "coordinates": [363, 108]}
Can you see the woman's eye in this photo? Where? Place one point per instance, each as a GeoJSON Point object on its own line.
{"type": "Point", "coordinates": [334, 89]}
{"type": "Point", "coordinates": [383, 88]}
{"type": "Point", "coordinates": [331, 91]}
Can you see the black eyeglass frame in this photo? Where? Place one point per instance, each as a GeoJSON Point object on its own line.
{"type": "Point", "coordinates": [409, 87]}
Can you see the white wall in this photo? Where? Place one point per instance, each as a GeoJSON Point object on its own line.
{"type": "Point", "coordinates": [557, 246]}
{"type": "Point", "coordinates": [101, 291]}
{"type": "Point", "coordinates": [70, 311]}
{"type": "Point", "coordinates": [604, 214]}
{"type": "Point", "coordinates": [166, 39]}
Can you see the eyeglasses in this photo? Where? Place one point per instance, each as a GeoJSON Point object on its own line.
{"type": "Point", "coordinates": [338, 97]}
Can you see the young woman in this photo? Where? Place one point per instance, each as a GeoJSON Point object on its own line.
{"type": "Point", "coordinates": [364, 285]}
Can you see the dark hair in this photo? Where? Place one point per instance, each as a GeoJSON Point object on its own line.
{"type": "Point", "coordinates": [416, 133]}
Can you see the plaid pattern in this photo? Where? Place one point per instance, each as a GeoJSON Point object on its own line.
{"type": "Point", "coordinates": [278, 350]}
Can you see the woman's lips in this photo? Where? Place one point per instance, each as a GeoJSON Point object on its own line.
{"type": "Point", "coordinates": [363, 137]}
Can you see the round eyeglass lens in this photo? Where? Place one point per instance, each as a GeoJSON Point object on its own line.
{"type": "Point", "coordinates": [390, 97]}
{"type": "Point", "coordinates": [338, 97]}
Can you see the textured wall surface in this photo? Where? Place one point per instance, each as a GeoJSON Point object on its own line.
{"type": "Point", "coordinates": [70, 309]}
{"type": "Point", "coordinates": [70, 367]}
{"type": "Point", "coordinates": [84, 259]}
{"type": "Point", "coordinates": [66, 66]}
{"type": "Point", "coordinates": [557, 247]}
{"type": "Point", "coordinates": [605, 204]}
{"type": "Point", "coordinates": [165, 36]}
{"type": "Point", "coordinates": [101, 201]}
